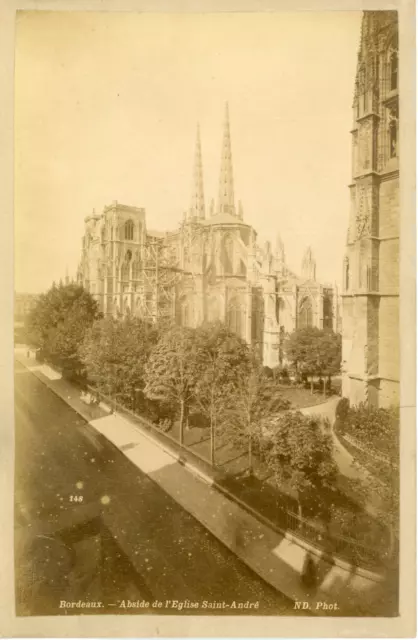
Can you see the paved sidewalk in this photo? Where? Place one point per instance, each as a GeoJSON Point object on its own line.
{"type": "Point", "coordinates": [278, 558]}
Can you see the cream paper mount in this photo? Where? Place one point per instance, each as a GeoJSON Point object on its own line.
{"type": "Point", "coordinates": [225, 192]}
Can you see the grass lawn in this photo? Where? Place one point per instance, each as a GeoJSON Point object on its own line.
{"type": "Point", "coordinates": [301, 398]}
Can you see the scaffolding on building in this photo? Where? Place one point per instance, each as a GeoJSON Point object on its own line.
{"type": "Point", "coordinates": [166, 265]}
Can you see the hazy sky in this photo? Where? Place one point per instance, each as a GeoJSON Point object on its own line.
{"type": "Point", "coordinates": [107, 106]}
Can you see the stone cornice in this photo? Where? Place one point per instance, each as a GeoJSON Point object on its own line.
{"type": "Point", "coordinates": [387, 175]}
{"type": "Point", "coordinates": [370, 114]}
{"type": "Point", "coordinates": [366, 378]}
{"type": "Point", "coordinates": [374, 238]}
{"type": "Point", "coordinates": [372, 294]}
{"type": "Point", "coordinates": [383, 175]}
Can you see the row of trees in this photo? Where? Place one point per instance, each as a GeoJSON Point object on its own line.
{"type": "Point", "coordinates": [175, 372]}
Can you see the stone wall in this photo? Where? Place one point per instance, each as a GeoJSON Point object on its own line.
{"type": "Point", "coordinates": [389, 208]}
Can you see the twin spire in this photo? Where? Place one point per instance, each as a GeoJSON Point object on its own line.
{"type": "Point", "coordinates": [226, 179]}
{"type": "Point", "coordinates": [197, 207]}
{"type": "Point", "coordinates": [226, 203]}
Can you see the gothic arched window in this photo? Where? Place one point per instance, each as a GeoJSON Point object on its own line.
{"type": "Point", "coordinates": [305, 315]}
{"type": "Point", "coordinates": [327, 311]}
{"type": "Point", "coordinates": [228, 254]}
{"type": "Point", "coordinates": [234, 318]}
{"type": "Point", "coordinates": [124, 276]}
{"type": "Point", "coordinates": [135, 270]}
{"type": "Point", "coordinates": [280, 310]}
{"type": "Point", "coordinates": [393, 139]}
{"type": "Point", "coordinates": [129, 230]}
{"type": "Point", "coordinates": [393, 70]}
{"type": "Point", "coordinates": [346, 274]}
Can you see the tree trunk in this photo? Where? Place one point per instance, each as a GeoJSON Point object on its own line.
{"type": "Point", "coordinates": [250, 456]}
{"type": "Point", "coordinates": [325, 386]}
{"type": "Point", "coordinates": [312, 385]}
{"type": "Point", "coordinates": [212, 442]}
{"type": "Point", "coordinates": [181, 421]}
{"type": "Point", "coordinates": [300, 513]}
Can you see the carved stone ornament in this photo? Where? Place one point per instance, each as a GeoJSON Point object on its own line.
{"type": "Point", "coordinates": [363, 215]}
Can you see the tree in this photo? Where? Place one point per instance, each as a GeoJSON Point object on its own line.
{"type": "Point", "coordinates": [223, 361]}
{"type": "Point", "coordinates": [301, 350]}
{"type": "Point", "coordinates": [115, 352]}
{"type": "Point", "coordinates": [171, 371]}
{"type": "Point", "coordinates": [255, 399]}
{"type": "Point", "coordinates": [329, 352]}
{"type": "Point", "coordinates": [65, 339]}
{"type": "Point", "coordinates": [300, 454]}
{"type": "Point", "coordinates": [58, 322]}
{"type": "Point", "coordinates": [314, 351]}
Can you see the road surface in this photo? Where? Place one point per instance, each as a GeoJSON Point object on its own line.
{"type": "Point", "coordinates": [92, 528]}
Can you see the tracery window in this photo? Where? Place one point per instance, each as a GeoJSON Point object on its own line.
{"type": "Point", "coordinates": [235, 317]}
{"type": "Point", "coordinates": [228, 254]}
{"type": "Point", "coordinates": [135, 270]}
{"type": "Point", "coordinates": [280, 310]}
{"type": "Point", "coordinates": [393, 138]}
{"type": "Point", "coordinates": [346, 274]}
{"type": "Point", "coordinates": [305, 315]}
{"type": "Point", "coordinates": [129, 230]}
{"type": "Point", "coordinates": [125, 272]}
{"type": "Point", "coordinates": [393, 70]}
{"type": "Point", "coordinates": [327, 312]}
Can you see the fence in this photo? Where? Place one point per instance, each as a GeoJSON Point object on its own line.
{"type": "Point", "coordinates": [343, 547]}
{"type": "Point", "coordinates": [346, 548]}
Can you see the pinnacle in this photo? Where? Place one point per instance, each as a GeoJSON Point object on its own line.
{"type": "Point", "coordinates": [226, 202]}
{"type": "Point", "coordinates": [197, 207]}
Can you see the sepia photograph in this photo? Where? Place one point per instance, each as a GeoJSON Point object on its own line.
{"type": "Point", "coordinates": [207, 292]}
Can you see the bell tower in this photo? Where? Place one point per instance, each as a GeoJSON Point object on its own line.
{"type": "Point", "coordinates": [371, 262]}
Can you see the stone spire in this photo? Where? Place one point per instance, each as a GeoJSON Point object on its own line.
{"type": "Point", "coordinates": [197, 206]}
{"type": "Point", "coordinates": [309, 265]}
{"type": "Point", "coordinates": [226, 180]}
{"type": "Point", "coordinates": [279, 255]}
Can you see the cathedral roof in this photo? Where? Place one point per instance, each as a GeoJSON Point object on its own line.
{"type": "Point", "coordinates": [224, 218]}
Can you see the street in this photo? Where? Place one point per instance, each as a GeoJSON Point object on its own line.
{"type": "Point", "coordinates": [91, 528]}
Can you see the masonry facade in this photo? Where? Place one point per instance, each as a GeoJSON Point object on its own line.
{"type": "Point", "coordinates": [211, 268]}
{"type": "Point", "coordinates": [371, 264]}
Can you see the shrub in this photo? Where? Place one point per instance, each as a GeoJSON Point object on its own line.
{"type": "Point", "coordinates": [165, 424]}
{"type": "Point", "coordinates": [268, 372]}
{"type": "Point", "coordinates": [342, 409]}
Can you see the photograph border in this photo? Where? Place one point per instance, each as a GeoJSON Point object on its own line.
{"type": "Point", "coordinates": [211, 626]}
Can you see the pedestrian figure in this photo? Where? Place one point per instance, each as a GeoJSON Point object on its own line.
{"type": "Point", "coordinates": [308, 576]}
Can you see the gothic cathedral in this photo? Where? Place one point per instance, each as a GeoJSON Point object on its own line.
{"type": "Point", "coordinates": [210, 269]}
